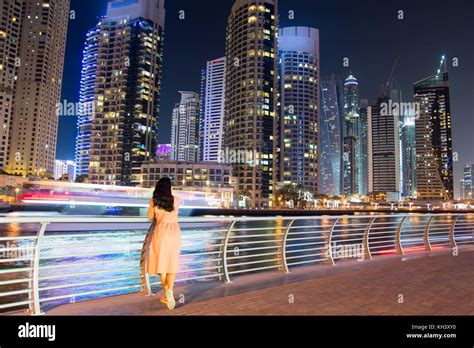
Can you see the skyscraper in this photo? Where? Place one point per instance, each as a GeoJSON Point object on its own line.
{"type": "Point", "coordinates": [299, 107]}
{"type": "Point", "coordinates": [127, 91]}
{"type": "Point", "coordinates": [9, 51]}
{"type": "Point", "coordinates": [185, 128]}
{"type": "Point", "coordinates": [212, 109]}
{"type": "Point", "coordinates": [434, 149]}
{"type": "Point", "coordinates": [363, 171]}
{"type": "Point", "coordinates": [384, 159]}
{"type": "Point", "coordinates": [467, 188]}
{"type": "Point", "coordinates": [408, 155]}
{"type": "Point", "coordinates": [331, 143]}
{"type": "Point", "coordinates": [351, 135]}
{"type": "Point", "coordinates": [86, 100]}
{"type": "Point", "coordinates": [251, 95]}
{"type": "Point", "coordinates": [38, 42]}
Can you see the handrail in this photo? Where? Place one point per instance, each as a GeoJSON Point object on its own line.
{"type": "Point", "coordinates": [99, 255]}
{"type": "Point", "coordinates": [88, 219]}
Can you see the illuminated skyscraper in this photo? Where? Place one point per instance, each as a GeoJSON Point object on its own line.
{"type": "Point", "coordinates": [408, 155]}
{"type": "Point", "coordinates": [332, 115]}
{"type": "Point", "coordinates": [363, 172]}
{"type": "Point", "coordinates": [127, 91]}
{"type": "Point", "coordinates": [185, 128]}
{"type": "Point", "coordinates": [299, 96]}
{"type": "Point", "coordinates": [9, 51]}
{"type": "Point", "coordinates": [467, 184]}
{"type": "Point", "coordinates": [251, 95]}
{"type": "Point", "coordinates": [37, 39]}
{"type": "Point", "coordinates": [351, 134]}
{"type": "Point", "coordinates": [212, 109]}
{"type": "Point", "coordinates": [86, 100]}
{"type": "Point", "coordinates": [384, 159]}
{"type": "Point", "coordinates": [434, 149]}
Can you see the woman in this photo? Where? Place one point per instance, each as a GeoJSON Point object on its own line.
{"type": "Point", "coordinates": [165, 245]}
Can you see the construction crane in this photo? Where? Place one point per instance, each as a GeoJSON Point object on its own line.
{"type": "Point", "coordinates": [386, 85]}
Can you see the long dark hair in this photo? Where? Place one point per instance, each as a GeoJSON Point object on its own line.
{"type": "Point", "coordinates": [162, 196]}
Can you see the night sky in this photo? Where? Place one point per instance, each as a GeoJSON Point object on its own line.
{"type": "Point", "coordinates": [367, 32]}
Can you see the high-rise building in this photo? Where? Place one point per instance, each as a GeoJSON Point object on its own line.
{"type": "Point", "coordinates": [62, 168]}
{"type": "Point", "coordinates": [298, 129]}
{"type": "Point", "coordinates": [384, 159]}
{"type": "Point", "coordinates": [212, 109]}
{"type": "Point", "coordinates": [331, 135]}
{"type": "Point", "coordinates": [363, 171]}
{"type": "Point", "coordinates": [185, 128]}
{"type": "Point", "coordinates": [351, 134]}
{"type": "Point", "coordinates": [37, 40]}
{"type": "Point", "coordinates": [408, 155]}
{"type": "Point", "coordinates": [434, 149]}
{"type": "Point", "coordinates": [127, 91]}
{"type": "Point", "coordinates": [467, 188]}
{"type": "Point", "coordinates": [86, 101]}
{"type": "Point", "coordinates": [10, 21]}
{"type": "Point", "coordinates": [251, 95]}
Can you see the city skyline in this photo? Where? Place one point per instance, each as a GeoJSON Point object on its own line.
{"type": "Point", "coordinates": [264, 107]}
{"type": "Point", "coordinates": [414, 64]}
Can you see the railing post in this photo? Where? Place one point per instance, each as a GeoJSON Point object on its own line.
{"type": "Point", "coordinates": [35, 308]}
{"type": "Point", "coordinates": [452, 239]}
{"type": "Point", "coordinates": [145, 287]}
{"type": "Point", "coordinates": [398, 237]}
{"type": "Point", "coordinates": [426, 235]}
{"type": "Point", "coordinates": [285, 238]}
{"type": "Point", "coordinates": [224, 252]}
{"type": "Point", "coordinates": [330, 256]}
{"type": "Point", "coordinates": [367, 253]}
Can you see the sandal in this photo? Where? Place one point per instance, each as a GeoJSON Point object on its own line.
{"type": "Point", "coordinates": [171, 303]}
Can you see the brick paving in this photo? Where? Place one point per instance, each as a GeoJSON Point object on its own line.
{"type": "Point", "coordinates": [434, 283]}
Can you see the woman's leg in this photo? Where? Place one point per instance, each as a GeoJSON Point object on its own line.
{"type": "Point", "coordinates": [170, 279]}
{"type": "Point", "coordinates": [163, 285]}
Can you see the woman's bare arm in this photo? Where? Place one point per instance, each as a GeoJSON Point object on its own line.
{"type": "Point", "coordinates": [151, 210]}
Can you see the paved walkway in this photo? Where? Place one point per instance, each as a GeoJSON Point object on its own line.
{"type": "Point", "coordinates": [423, 283]}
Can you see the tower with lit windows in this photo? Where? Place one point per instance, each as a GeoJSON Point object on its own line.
{"type": "Point", "coordinates": [212, 110]}
{"type": "Point", "coordinates": [351, 129]}
{"type": "Point", "coordinates": [251, 96]}
{"type": "Point", "coordinates": [32, 47]}
{"type": "Point", "coordinates": [331, 135]}
{"type": "Point", "coordinates": [9, 51]}
{"type": "Point", "coordinates": [86, 101]}
{"type": "Point", "coordinates": [434, 148]}
{"type": "Point", "coordinates": [185, 128]}
{"type": "Point", "coordinates": [127, 91]}
{"type": "Point", "coordinates": [299, 107]}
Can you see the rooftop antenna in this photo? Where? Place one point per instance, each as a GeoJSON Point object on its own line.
{"type": "Point", "coordinates": [442, 65]}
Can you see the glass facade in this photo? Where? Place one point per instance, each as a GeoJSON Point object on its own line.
{"type": "Point", "coordinates": [331, 125]}
{"type": "Point", "coordinates": [299, 105]}
{"type": "Point", "coordinates": [86, 101]}
{"type": "Point", "coordinates": [434, 149]}
{"type": "Point", "coordinates": [127, 94]}
{"type": "Point", "coordinates": [251, 95]}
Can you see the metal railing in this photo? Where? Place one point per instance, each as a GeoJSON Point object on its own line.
{"type": "Point", "coordinates": [49, 261]}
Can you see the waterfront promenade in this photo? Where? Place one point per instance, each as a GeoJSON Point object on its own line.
{"type": "Point", "coordinates": [419, 283]}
